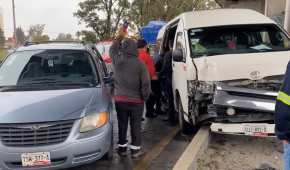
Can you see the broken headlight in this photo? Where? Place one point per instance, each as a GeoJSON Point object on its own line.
{"type": "Point", "coordinates": [206, 87]}
{"type": "Point", "coordinates": [201, 87]}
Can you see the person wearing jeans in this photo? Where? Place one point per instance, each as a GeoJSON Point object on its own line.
{"type": "Point", "coordinates": [282, 117]}
{"type": "Point", "coordinates": [129, 112]}
{"type": "Point", "coordinates": [131, 90]}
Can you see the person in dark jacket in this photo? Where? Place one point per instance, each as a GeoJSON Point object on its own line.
{"type": "Point", "coordinates": [282, 117]}
{"type": "Point", "coordinates": [148, 61]}
{"type": "Point", "coordinates": [132, 89]}
{"type": "Point", "coordinates": [166, 74]}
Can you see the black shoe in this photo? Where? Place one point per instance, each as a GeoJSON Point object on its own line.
{"type": "Point", "coordinates": [122, 151]}
{"type": "Point", "coordinates": [136, 153]}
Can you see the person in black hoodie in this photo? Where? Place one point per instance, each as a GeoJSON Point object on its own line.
{"type": "Point", "coordinates": [282, 117]}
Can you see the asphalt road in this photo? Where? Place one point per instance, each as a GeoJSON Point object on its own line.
{"type": "Point", "coordinates": [162, 143]}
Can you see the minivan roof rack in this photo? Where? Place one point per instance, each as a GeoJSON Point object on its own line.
{"type": "Point", "coordinates": [28, 43]}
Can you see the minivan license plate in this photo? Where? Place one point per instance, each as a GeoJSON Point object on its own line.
{"type": "Point", "coordinates": [35, 159]}
{"type": "Point", "coordinates": [255, 130]}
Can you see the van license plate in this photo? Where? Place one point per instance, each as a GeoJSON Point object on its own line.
{"type": "Point", "coordinates": [35, 159]}
{"type": "Point", "coordinates": [255, 130]}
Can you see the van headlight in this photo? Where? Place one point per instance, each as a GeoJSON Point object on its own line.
{"type": "Point", "coordinates": [206, 87]}
{"type": "Point", "coordinates": [94, 121]}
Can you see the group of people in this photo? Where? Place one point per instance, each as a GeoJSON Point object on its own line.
{"type": "Point", "coordinates": [137, 84]}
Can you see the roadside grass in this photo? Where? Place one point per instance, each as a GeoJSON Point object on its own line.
{"type": "Point", "coordinates": [3, 53]}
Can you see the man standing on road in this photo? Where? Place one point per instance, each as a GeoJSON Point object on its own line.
{"type": "Point", "coordinates": [132, 89]}
{"type": "Point", "coordinates": [148, 61]}
{"type": "Point", "coordinates": [282, 117]}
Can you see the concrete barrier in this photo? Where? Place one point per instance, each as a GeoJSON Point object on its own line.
{"type": "Point", "coordinates": [197, 146]}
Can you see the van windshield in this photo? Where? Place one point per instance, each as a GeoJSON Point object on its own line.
{"type": "Point", "coordinates": [237, 39]}
{"type": "Point", "coordinates": [48, 68]}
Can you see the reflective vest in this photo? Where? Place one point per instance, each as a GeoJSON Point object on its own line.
{"type": "Point", "coordinates": [282, 110]}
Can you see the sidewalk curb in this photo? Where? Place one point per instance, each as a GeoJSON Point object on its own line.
{"type": "Point", "coordinates": [197, 146]}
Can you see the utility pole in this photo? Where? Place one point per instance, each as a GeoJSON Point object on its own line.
{"type": "Point", "coordinates": [287, 16]}
{"type": "Point", "coordinates": [14, 21]}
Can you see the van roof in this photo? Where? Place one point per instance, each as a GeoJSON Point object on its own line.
{"type": "Point", "coordinates": [220, 17]}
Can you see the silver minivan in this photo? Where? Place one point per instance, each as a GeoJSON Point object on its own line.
{"type": "Point", "coordinates": [55, 107]}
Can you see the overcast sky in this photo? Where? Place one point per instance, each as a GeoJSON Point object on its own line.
{"type": "Point", "coordinates": [57, 15]}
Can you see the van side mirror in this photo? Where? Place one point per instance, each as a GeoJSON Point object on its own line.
{"type": "Point", "coordinates": [177, 55]}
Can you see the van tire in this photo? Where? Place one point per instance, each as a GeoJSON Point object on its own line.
{"type": "Point", "coordinates": [185, 127]}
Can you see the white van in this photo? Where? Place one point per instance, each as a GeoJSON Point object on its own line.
{"type": "Point", "coordinates": [228, 66]}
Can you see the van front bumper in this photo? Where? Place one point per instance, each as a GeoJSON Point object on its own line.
{"type": "Point", "coordinates": [249, 105]}
{"type": "Point", "coordinates": [77, 150]}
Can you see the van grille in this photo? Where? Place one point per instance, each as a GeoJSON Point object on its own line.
{"type": "Point", "coordinates": [38, 134]}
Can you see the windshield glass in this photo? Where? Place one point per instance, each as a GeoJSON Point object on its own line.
{"type": "Point", "coordinates": [47, 67]}
{"type": "Point", "coordinates": [237, 39]}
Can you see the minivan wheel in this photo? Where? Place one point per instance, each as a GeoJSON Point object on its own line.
{"type": "Point", "coordinates": [185, 127]}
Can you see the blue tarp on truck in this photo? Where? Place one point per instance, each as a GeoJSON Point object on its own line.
{"type": "Point", "coordinates": [150, 31]}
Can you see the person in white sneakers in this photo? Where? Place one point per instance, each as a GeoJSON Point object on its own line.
{"type": "Point", "coordinates": [131, 90]}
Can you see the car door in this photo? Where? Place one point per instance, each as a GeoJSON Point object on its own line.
{"type": "Point", "coordinates": [180, 69]}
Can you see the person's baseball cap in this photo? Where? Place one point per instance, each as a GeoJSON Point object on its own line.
{"type": "Point", "coordinates": [141, 43]}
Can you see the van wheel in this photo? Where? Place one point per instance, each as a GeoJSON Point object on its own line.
{"type": "Point", "coordinates": [185, 127]}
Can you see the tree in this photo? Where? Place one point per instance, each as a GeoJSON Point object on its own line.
{"type": "Point", "coordinates": [103, 16]}
{"type": "Point", "coordinates": [144, 11]}
{"type": "Point", "coordinates": [2, 38]}
{"type": "Point", "coordinates": [21, 38]}
{"type": "Point", "coordinates": [64, 37]}
{"type": "Point", "coordinates": [205, 4]}
{"type": "Point", "coordinates": [88, 36]}
{"type": "Point", "coordinates": [78, 35]}
{"type": "Point", "coordinates": [35, 33]}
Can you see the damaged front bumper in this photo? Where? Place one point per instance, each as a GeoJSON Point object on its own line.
{"type": "Point", "coordinates": [242, 105]}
